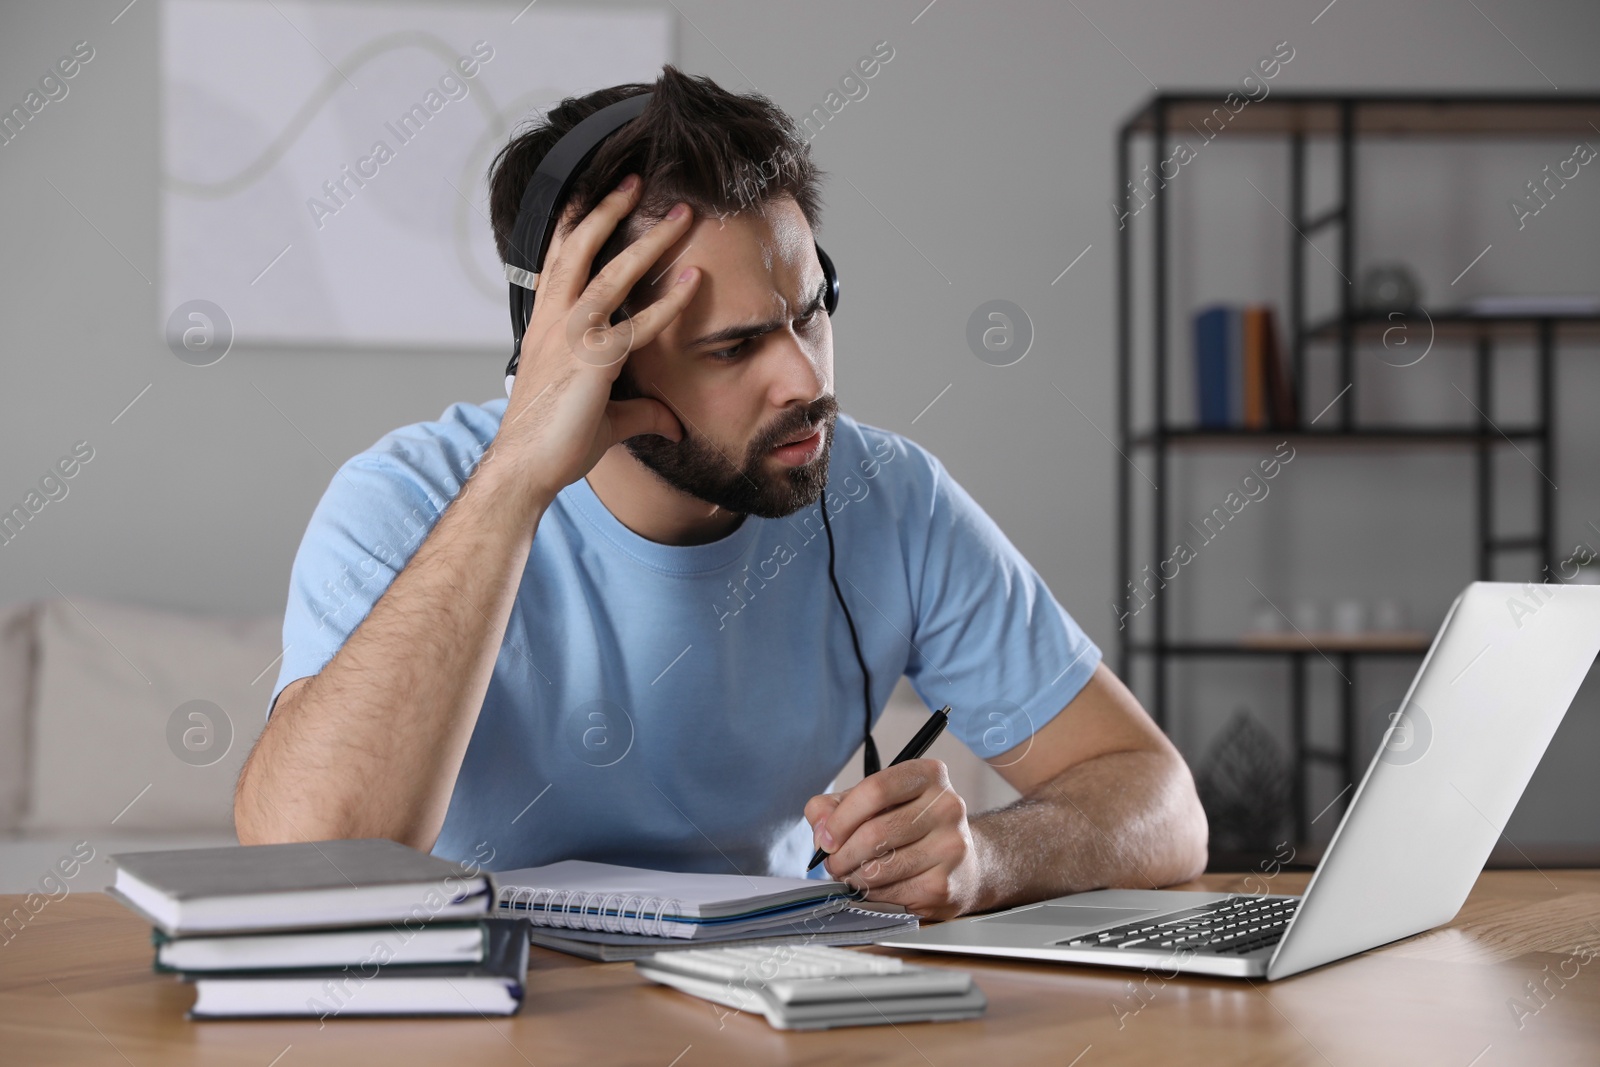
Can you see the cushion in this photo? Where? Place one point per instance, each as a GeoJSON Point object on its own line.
{"type": "Point", "coordinates": [16, 697]}
{"type": "Point", "coordinates": [142, 718]}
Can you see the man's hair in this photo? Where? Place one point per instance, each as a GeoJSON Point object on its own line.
{"type": "Point", "coordinates": [720, 152]}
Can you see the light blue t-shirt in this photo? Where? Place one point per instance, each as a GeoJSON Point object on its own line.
{"type": "Point", "coordinates": [674, 707]}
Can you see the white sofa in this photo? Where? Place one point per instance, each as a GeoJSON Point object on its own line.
{"type": "Point", "coordinates": [90, 693]}
{"type": "Point", "coordinates": [123, 728]}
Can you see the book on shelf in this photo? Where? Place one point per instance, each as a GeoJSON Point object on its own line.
{"type": "Point", "coordinates": [1242, 380]}
{"type": "Point", "coordinates": [1213, 346]}
{"type": "Point", "coordinates": [1283, 405]}
{"type": "Point", "coordinates": [1254, 345]}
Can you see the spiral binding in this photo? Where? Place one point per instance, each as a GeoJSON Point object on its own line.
{"type": "Point", "coordinates": [612, 913]}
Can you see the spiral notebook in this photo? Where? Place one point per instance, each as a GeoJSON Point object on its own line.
{"type": "Point", "coordinates": [605, 897]}
{"type": "Point", "coordinates": [845, 926]}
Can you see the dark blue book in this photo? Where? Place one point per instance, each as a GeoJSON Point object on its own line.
{"type": "Point", "coordinates": [1212, 355]}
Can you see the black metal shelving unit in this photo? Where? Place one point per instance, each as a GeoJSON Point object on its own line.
{"type": "Point", "coordinates": [1342, 119]}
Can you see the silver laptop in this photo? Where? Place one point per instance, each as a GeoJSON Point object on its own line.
{"type": "Point", "coordinates": [1452, 765]}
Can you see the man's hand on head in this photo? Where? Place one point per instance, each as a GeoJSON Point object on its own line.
{"type": "Point", "coordinates": [560, 418]}
{"type": "Point", "coordinates": [902, 835]}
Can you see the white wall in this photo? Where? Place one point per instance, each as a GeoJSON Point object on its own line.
{"type": "Point", "coordinates": [978, 167]}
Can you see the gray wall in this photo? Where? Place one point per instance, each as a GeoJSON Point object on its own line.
{"type": "Point", "coordinates": [979, 166]}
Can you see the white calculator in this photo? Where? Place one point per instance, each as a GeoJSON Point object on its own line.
{"type": "Point", "coordinates": [814, 987]}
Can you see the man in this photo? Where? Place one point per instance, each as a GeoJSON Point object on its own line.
{"type": "Point", "coordinates": [596, 620]}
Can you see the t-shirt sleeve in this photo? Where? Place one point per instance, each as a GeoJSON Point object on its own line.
{"type": "Point", "coordinates": [990, 639]}
{"type": "Point", "coordinates": [370, 521]}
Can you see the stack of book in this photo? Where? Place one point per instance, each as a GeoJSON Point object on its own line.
{"type": "Point", "coordinates": [602, 911]}
{"type": "Point", "coordinates": [326, 929]}
{"type": "Point", "coordinates": [1242, 380]}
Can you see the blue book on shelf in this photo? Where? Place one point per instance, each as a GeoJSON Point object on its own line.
{"type": "Point", "coordinates": [1213, 347]}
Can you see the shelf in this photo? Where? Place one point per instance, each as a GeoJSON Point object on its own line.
{"type": "Point", "coordinates": [1543, 115]}
{"type": "Point", "coordinates": [1378, 641]}
{"type": "Point", "coordinates": [1455, 325]}
{"type": "Point", "coordinates": [1410, 646]}
{"type": "Point", "coordinates": [1321, 133]}
{"type": "Point", "coordinates": [1361, 435]}
{"type": "Point", "coordinates": [1504, 857]}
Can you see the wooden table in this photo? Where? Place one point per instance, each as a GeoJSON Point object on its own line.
{"type": "Point", "coordinates": [76, 987]}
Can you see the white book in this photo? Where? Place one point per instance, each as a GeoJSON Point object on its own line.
{"type": "Point", "coordinates": [284, 997]}
{"type": "Point", "coordinates": [433, 943]}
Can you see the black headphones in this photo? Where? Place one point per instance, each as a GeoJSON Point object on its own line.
{"type": "Point", "coordinates": [530, 240]}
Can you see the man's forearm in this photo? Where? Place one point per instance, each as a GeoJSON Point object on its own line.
{"type": "Point", "coordinates": [372, 744]}
{"type": "Point", "coordinates": [1123, 819]}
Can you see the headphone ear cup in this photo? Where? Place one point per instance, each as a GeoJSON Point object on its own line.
{"type": "Point", "coordinates": [830, 299]}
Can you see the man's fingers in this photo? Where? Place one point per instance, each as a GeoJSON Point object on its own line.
{"type": "Point", "coordinates": [618, 278]}
{"type": "Point", "coordinates": [597, 342]}
{"type": "Point", "coordinates": [567, 260]}
{"type": "Point", "coordinates": [875, 793]}
{"type": "Point", "coordinates": [925, 818]}
{"type": "Point", "coordinates": [888, 866]}
{"type": "Point", "coordinates": [884, 850]}
{"type": "Point", "coordinates": [653, 319]}
{"type": "Point", "coordinates": [820, 805]}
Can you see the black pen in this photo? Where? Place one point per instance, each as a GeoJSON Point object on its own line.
{"type": "Point", "coordinates": [914, 749]}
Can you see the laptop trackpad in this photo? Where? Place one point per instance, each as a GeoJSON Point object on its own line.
{"type": "Point", "coordinates": [1068, 915]}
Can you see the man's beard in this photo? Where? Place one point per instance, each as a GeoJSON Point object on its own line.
{"type": "Point", "coordinates": [698, 467]}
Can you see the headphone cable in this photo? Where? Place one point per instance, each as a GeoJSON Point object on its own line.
{"type": "Point", "coordinates": [869, 757]}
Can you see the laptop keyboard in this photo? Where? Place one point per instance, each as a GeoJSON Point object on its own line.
{"type": "Point", "coordinates": [1232, 927]}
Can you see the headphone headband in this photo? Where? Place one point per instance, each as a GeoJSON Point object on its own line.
{"type": "Point", "coordinates": [535, 225]}
{"type": "Point", "coordinates": [536, 215]}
